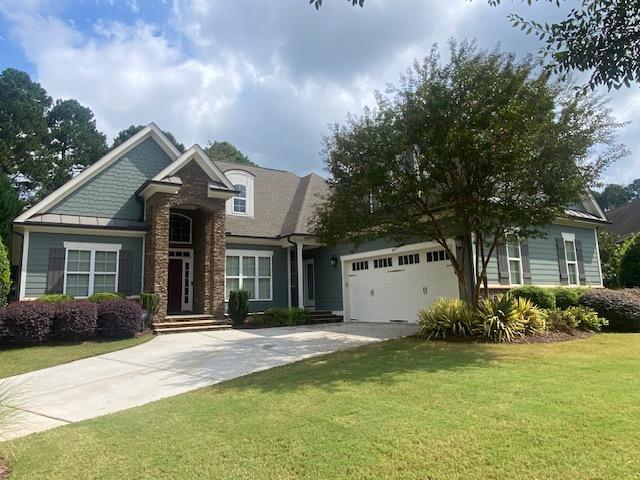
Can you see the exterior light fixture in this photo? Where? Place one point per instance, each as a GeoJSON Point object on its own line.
{"type": "Point", "coordinates": [334, 261]}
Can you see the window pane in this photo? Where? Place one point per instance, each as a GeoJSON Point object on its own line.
{"type": "Point", "coordinates": [233, 266]}
{"type": "Point", "coordinates": [232, 284]}
{"type": "Point", "coordinates": [78, 260]}
{"type": "Point", "coordinates": [264, 266]}
{"type": "Point", "coordinates": [78, 284]}
{"type": "Point", "coordinates": [104, 283]}
{"type": "Point", "coordinates": [239, 205]}
{"type": "Point", "coordinates": [264, 288]}
{"type": "Point", "coordinates": [242, 189]}
{"type": "Point", "coordinates": [248, 266]}
{"type": "Point", "coordinates": [570, 250]}
{"type": "Point", "coordinates": [250, 285]}
{"type": "Point", "coordinates": [573, 274]}
{"type": "Point", "coordinates": [106, 261]}
{"type": "Point", "coordinates": [513, 249]}
{"type": "Point", "coordinates": [514, 272]}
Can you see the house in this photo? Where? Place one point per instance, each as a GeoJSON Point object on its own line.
{"type": "Point", "coordinates": [625, 220]}
{"type": "Point", "coordinates": [146, 218]}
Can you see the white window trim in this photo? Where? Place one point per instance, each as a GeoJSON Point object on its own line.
{"type": "Point", "coordinates": [93, 248]}
{"type": "Point", "coordinates": [255, 254]}
{"type": "Point", "coordinates": [241, 177]}
{"type": "Point", "coordinates": [571, 238]}
{"type": "Point", "coordinates": [190, 228]}
{"type": "Point", "coordinates": [518, 259]}
{"type": "Point", "coordinates": [233, 201]}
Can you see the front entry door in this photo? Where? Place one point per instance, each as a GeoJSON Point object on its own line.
{"type": "Point", "coordinates": [309, 284]}
{"type": "Point", "coordinates": [174, 287]}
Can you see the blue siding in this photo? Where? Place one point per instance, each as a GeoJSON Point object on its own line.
{"type": "Point", "coordinates": [111, 193]}
{"type": "Point", "coordinates": [278, 279]}
{"type": "Point", "coordinates": [38, 257]}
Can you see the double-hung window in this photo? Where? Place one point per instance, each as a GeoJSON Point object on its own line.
{"type": "Point", "coordinates": [571, 259]}
{"type": "Point", "coordinates": [90, 268]}
{"type": "Point", "coordinates": [514, 259]}
{"type": "Point", "coordinates": [240, 200]}
{"type": "Point", "coordinates": [249, 270]}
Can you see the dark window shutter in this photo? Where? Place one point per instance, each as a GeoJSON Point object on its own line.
{"type": "Point", "coordinates": [125, 272]}
{"type": "Point", "coordinates": [580, 258]}
{"type": "Point", "coordinates": [526, 265]}
{"type": "Point", "coordinates": [562, 262]}
{"type": "Point", "coordinates": [503, 264]}
{"type": "Point", "coordinates": [55, 271]}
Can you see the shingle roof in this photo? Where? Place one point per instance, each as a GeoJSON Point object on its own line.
{"type": "Point", "coordinates": [625, 220]}
{"type": "Point", "coordinates": [283, 202]}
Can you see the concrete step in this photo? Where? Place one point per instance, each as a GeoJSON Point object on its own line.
{"type": "Point", "coordinates": [189, 328]}
{"type": "Point", "coordinates": [188, 317]}
{"type": "Point", "coordinates": [185, 323]}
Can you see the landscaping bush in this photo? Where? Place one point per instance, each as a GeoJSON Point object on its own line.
{"type": "Point", "coordinates": [530, 316]}
{"type": "Point", "coordinates": [629, 274]}
{"type": "Point", "coordinates": [26, 323]}
{"type": "Point", "coordinates": [55, 298]}
{"type": "Point", "coordinates": [498, 319]}
{"type": "Point", "coordinates": [5, 275]}
{"type": "Point", "coordinates": [620, 307]}
{"type": "Point", "coordinates": [561, 320]}
{"type": "Point", "coordinates": [104, 297]}
{"type": "Point", "coordinates": [119, 319]}
{"type": "Point", "coordinates": [447, 316]}
{"type": "Point", "coordinates": [541, 297]}
{"type": "Point", "coordinates": [285, 317]}
{"type": "Point", "coordinates": [238, 306]}
{"type": "Point", "coordinates": [149, 302]}
{"type": "Point", "coordinates": [586, 318]}
{"type": "Point", "coordinates": [567, 297]}
{"type": "Point", "coordinates": [74, 321]}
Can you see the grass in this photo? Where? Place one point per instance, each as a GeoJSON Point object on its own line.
{"type": "Point", "coordinates": [405, 409]}
{"type": "Point", "coordinates": [20, 360]}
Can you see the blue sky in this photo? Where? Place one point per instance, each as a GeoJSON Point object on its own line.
{"type": "Point", "coordinates": [266, 75]}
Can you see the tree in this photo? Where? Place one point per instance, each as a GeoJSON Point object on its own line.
{"type": "Point", "coordinates": [226, 152]}
{"type": "Point", "coordinates": [610, 255]}
{"type": "Point", "coordinates": [10, 207]}
{"type": "Point", "coordinates": [634, 189]}
{"type": "Point", "coordinates": [629, 273]}
{"type": "Point", "coordinates": [130, 131]}
{"type": "Point", "coordinates": [23, 129]}
{"type": "Point", "coordinates": [74, 141]}
{"type": "Point", "coordinates": [613, 196]}
{"type": "Point", "coordinates": [472, 150]}
{"type": "Point", "coordinates": [601, 36]}
{"type": "Point", "coordinates": [5, 274]}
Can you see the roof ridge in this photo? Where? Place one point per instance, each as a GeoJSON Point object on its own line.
{"type": "Point", "coordinates": [241, 165]}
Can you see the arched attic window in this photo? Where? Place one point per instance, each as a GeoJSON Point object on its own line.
{"type": "Point", "coordinates": [179, 228]}
{"type": "Point", "coordinates": [242, 203]}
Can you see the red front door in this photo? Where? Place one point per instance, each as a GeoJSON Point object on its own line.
{"type": "Point", "coordinates": [174, 294]}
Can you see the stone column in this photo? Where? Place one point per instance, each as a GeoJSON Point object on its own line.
{"type": "Point", "coordinates": [217, 267]}
{"type": "Point", "coordinates": [156, 259]}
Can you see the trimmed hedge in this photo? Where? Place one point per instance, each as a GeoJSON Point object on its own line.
{"type": "Point", "coordinates": [26, 323]}
{"type": "Point", "coordinates": [74, 321]}
{"type": "Point", "coordinates": [119, 319]}
{"type": "Point", "coordinates": [55, 298]}
{"type": "Point", "coordinates": [568, 297]}
{"type": "Point", "coordinates": [620, 307]}
{"type": "Point", "coordinates": [284, 317]}
{"type": "Point", "coordinates": [104, 297]}
{"type": "Point", "coordinates": [238, 306]}
{"type": "Point", "coordinates": [541, 297]}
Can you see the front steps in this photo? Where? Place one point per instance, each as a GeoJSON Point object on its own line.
{"type": "Point", "coordinates": [324, 316]}
{"type": "Point", "coordinates": [189, 323]}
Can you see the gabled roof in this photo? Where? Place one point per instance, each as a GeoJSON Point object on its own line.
{"type": "Point", "coordinates": [625, 220]}
{"type": "Point", "coordinates": [76, 182]}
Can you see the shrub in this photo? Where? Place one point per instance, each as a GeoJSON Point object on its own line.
{"type": "Point", "coordinates": [55, 298]}
{"type": "Point", "coordinates": [26, 323]}
{"type": "Point", "coordinates": [562, 320]}
{"type": "Point", "coordinates": [447, 316]}
{"type": "Point", "coordinates": [620, 307]}
{"type": "Point", "coordinates": [568, 297]}
{"type": "Point", "coordinates": [586, 318]}
{"type": "Point", "coordinates": [119, 319]}
{"type": "Point", "coordinates": [285, 317]}
{"type": "Point", "coordinates": [5, 275]}
{"type": "Point", "coordinates": [530, 316]}
{"type": "Point", "coordinates": [74, 321]}
{"type": "Point", "coordinates": [498, 319]}
{"type": "Point", "coordinates": [149, 302]}
{"type": "Point", "coordinates": [630, 264]}
{"type": "Point", "coordinates": [541, 297]}
{"type": "Point", "coordinates": [238, 306]}
{"type": "Point", "coordinates": [104, 297]}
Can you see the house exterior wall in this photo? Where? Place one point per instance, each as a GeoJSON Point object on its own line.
{"type": "Point", "coordinates": [543, 257]}
{"type": "Point", "coordinates": [38, 257]}
{"type": "Point", "coordinates": [112, 193]}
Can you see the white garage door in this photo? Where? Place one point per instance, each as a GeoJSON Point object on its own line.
{"type": "Point", "coordinates": [393, 287]}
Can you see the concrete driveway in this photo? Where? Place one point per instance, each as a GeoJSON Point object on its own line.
{"type": "Point", "coordinates": [172, 364]}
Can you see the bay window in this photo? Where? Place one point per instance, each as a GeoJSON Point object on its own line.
{"type": "Point", "coordinates": [90, 268]}
{"type": "Point", "coordinates": [251, 271]}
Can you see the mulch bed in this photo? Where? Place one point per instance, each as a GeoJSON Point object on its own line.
{"type": "Point", "coordinates": [546, 337]}
{"type": "Point", "coordinates": [4, 469]}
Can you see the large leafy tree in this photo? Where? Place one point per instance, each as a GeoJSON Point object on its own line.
{"type": "Point", "coordinates": [74, 141]}
{"type": "Point", "coordinates": [226, 152]}
{"type": "Point", "coordinates": [130, 131]}
{"type": "Point", "coordinates": [599, 36]}
{"type": "Point", "coordinates": [613, 196]}
{"type": "Point", "coordinates": [472, 150]}
{"type": "Point", "coordinates": [10, 207]}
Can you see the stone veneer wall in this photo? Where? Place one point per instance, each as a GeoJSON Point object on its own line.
{"type": "Point", "coordinates": [209, 243]}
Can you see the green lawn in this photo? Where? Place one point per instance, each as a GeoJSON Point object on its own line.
{"type": "Point", "coordinates": [20, 360]}
{"type": "Point", "coordinates": [405, 409]}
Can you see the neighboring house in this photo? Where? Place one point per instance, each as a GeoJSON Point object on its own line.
{"type": "Point", "coordinates": [625, 220]}
{"type": "Point", "coordinates": [147, 218]}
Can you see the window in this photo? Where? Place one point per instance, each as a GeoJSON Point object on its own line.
{"type": "Point", "coordinates": [437, 256]}
{"type": "Point", "coordinates": [383, 262]}
{"type": "Point", "coordinates": [409, 259]}
{"type": "Point", "coordinates": [179, 228]}
{"type": "Point", "coordinates": [90, 268]}
{"type": "Point", "coordinates": [363, 265]}
{"type": "Point", "coordinates": [240, 200]}
{"type": "Point", "coordinates": [572, 260]}
{"type": "Point", "coordinates": [249, 271]}
{"type": "Point", "coordinates": [514, 260]}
